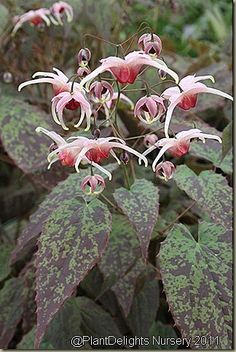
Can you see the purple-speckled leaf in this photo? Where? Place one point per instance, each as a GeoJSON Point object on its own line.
{"type": "Point", "coordinates": [141, 205]}
{"type": "Point", "coordinates": [65, 190]}
{"type": "Point", "coordinates": [25, 147]}
{"type": "Point", "coordinates": [11, 309]}
{"type": "Point", "coordinates": [197, 277]}
{"type": "Point", "coordinates": [72, 241]}
{"type": "Point", "coordinates": [120, 264]}
{"type": "Point", "coordinates": [210, 191]}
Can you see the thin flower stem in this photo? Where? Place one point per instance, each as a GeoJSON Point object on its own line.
{"type": "Point", "coordinates": [127, 180]}
{"type": "Point", "coordinates": [111, 203]}
{"type": "Point", "coordinates": [178, 217]}
{"type": "Point", "coordinates": [132, 168]}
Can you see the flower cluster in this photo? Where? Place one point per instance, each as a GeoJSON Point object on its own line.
{"type": "Point", "coordinates": [97, 101]}
{"type": "Point", "coordinates": [53, 15]}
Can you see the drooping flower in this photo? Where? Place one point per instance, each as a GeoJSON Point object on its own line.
{"type": "Point", "coordinates": [64, 96]}
{"type": "Point", "coordinates": [150, 140]}
{"type": "Point", "coordinates": [179, 145]}
{"type": "Point", "coordinates": [84, 57]}
{"type": "Point", "coordinates": [149, 108]}
{"type": "Point", "coordinates": [60, 8]}
{"type": "Point", "coordinates": [186, 97]}
{"type": "Point", "coordinates": [95, 184]}
{"type": "Point", "coordinates": [165, 170]}
{"type": "Point", "coordinates": [34, 17]}
{"type": "Point", "coordinates": [83, 71]}
{"type": "Point", "coordinates": [150, 43]}
{"type": "Point", "coordinates": [101, 92]}
{"type": "Point", "coordinates": [76, 150]}
{"type": "Point", "coordinates": [126, 70]}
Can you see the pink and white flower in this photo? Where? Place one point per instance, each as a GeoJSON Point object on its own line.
{"type": "Point", "coordinates": [179, 145]}
{"type": "Point", "coordinates": [84, 57]}
{"type": "Point", "coordinates": [150, 43]}
{"type": "Point", "coordinates": [185, 96]}
{"type": "Point", "coordinates": [150, 140]}
{"type": "Point", "coordinates": [126, 70]}
{"type": "Point", "coordinates": [76, 150]}
{"type": "Point", "coordinates": [101, 92]}
{"type": "Point", "coordinates": [59, 9]}
{"type": "Point", "coordinates": [149, 108]}
{"type": "Point", "coordinates": [95, 184]}
{"type": "Point", "coordinates": [34, 17]}
{"type": "Point", "coordinates": [165, 170]}
{"type": "Point", "coordinates": [123, 98]}
{"type": "Point", "coordinates": [64, 96]}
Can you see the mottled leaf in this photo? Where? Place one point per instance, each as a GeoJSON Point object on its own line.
{"type": "Point", "coordinates": [120, 264]}
{"type": "Point", "coordinates": [141, 205]}
{"type": "Point", "coordinates": [197, 277]}
{"type": "Point", "coordinates": [27, 343]}
{"type": "Point", "coordinates": [11, 309]}
{"type": "Point", "coordinates": [65, 190]}
{"type": "Point", "coordinates": [27, 148]}
{"type": "Point", "coordinates": [72, 241]}
{"type": "Point", "coordinates": [212, 151]}
{"type": "Point", "coordinates": [5, 269]}
{"type": "Point", "coordinates": [29, 312]}
{"type": "Point", "coordinates": [227, 139]}
{"type": "Point", "coordinates": [210, 191]}
{"type": "Point", "coordinates": [144, 308]}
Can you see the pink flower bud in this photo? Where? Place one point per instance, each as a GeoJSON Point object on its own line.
{"type": "Point", "coordinates": [165, 170]}
{"type": "Point", "coordinates": [101, 91]}
{"type": "Point", "coordinates": [150, 44]}
{"type": "Point", "coordinates": [84, 57]}
{"type": "Point", "coordinates": [83, 71]}
{"type": "Point", "coordinates": [149, 108]}
{"type": "Point", "coordinates": [93, 184]}
{"type": "Point", "coordinates": [150, 140]}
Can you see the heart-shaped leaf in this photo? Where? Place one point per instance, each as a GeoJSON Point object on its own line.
{"type": "Point", "coordinates": [210, 191]}
{"type": "Point", "coordinates": [197, 277]}
{"type": "Point", "coordinates": [72, 241]}
{"type": "Point", "coordinates": [65, 190]}
{"type": "Point", "coordinates": [120, 264]}
{"type": "Point", "coordinates": [141, 205]}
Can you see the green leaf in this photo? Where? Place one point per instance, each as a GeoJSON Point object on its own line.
{"type": "Point", "coordinates": [144, 308]}
{"type": "Point", "coordinates": [11, 309]}
{"type": "Point", "coordinates": [197, 277]}
{"type": "Point", "coordinates": [227, 139]}
{"type": "Point", "coordinates": [165, 333]}
{"type": "Point", "coordinates": [4, 15]}
{"type": "Point", "coordinates": [141, 205]}
{"type": "Point", "coordinates": [211, 150]}
{"type": "Point", "coordinates": [64, 191]}
{"type": "Point", "coordinates": [27, 148]}
{"type": "Point", "coordinates": [5, 269]}
{"type": "Point", "coordinates": [27, 343]}
{"type": "Point", "coordinates": [72, 241]}
{"type": "Point", "coordinates": [120, 264]}
{"type": "Point", "coordinates": [79, 316]}
{"type": "Point", "coordinates": [210, 191]}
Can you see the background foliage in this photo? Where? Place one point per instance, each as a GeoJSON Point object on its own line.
{"type": "Point", "coordinates": [184, 291]}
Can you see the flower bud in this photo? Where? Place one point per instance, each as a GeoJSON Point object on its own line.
{"type": "Point", "coordinates": [162, 74]}
{"type": "Point", "coordinates": [150, 43]}
{"type": "Point", "coordinates": [83, 72]}
{"type": "Point", "coordinates": [165, 170]}
{"type": "Point", "coordinates": [93, 184]}
{"type": "Point", "coordinates": [53, 147]}
{"type": "Point", "coordinates": [149, 108]}
{"type": "Point", "coordinates": [96, 133]}
{"type": "Point", "coordinates": [124, 157]}
{"type": "Point", "coordinates": [150, 140]}
{"type": "Point", "coordinates": [101, 92]}
{"type": "Point", "coordinates": [7, 77]}
{"type": "Point", "coordinates": [84, 57]}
